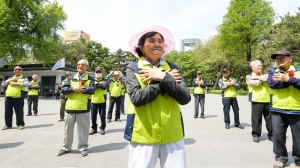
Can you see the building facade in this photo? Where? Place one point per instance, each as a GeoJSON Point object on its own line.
{"type": "Point", "coordinates": [74, 35]}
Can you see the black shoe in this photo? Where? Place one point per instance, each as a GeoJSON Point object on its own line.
{"type": "Point", "coordinates": [35, 114]}
{"type": "Point", "coordinates": [202, 116]}
{"type": "Point", "coordinates": [118, 120]}
{"type": "Point", "coordinates": [29, 115]}
{"type": "Point", "coordinates": [93, 132]}
{"type": "Point", "coordinates": [195, 116]}
{"type": "Point", "coordinates": [239, 126]}
{"type": "Point", "coordinates": [62, 152]}
{"type": "Point", "coordinates": [102, 131]}
{"type": "Point", "coordinates": [270, 138]}
{"type": "Point", "coordinates": [108, 120]}
{"type": "Point", "coordinates": [255, 139]}
{"type": "Point", "coordinates": [227, 126]}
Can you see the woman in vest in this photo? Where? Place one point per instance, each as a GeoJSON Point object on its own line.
{"type": "Point", "coordinates": [156, 90]}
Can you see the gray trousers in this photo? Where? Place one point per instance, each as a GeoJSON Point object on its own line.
{"type": "Point", "coordinates": [83, 125]}
{"type": "Point", "coordinates": [199, 99]}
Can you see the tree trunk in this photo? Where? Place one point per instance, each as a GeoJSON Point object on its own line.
{"type": "Point", "coordinates": [248, 60]}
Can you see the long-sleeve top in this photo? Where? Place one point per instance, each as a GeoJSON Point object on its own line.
{"type": "Point", "coordinates": [139, 96]}
{"type": "Point", "coordinates": [256, 82]}
{"type": "Point", "coordinates": [24, 84]}
{"type": "Point", "coordinates": [203, 85]}
{"type": "Point", "coordinates": [279, 85]}
{"type": "Point", "coordinates": [224, 87]}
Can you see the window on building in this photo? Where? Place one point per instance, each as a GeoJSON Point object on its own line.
{"type": "Point", "coordinates": [48, 80]}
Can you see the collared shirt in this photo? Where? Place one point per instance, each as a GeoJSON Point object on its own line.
{"type": "Point", "coordinates": [81, 76]}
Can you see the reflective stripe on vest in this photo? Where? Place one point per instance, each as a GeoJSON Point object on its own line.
{"type": "Point", "coordinates": [286, 98]}
{"type": "Point", "coordinates": [259, 93]}
{"type": "Point", "coordinates": [98, 96]}
{"type": "Point", "coordinates": [157, 122]}
{"type": "Point", "coordinates": [230, 91]}
{"type": "Point", "coordinates": [15, 91]}
{"type": "Point", "coordinates": [198, 89]}
{"type": "Point", "coordinates": [33, 91]}
{"type": "Point", "coordinates": [78, 101]}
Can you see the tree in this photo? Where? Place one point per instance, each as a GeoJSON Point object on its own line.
{"type": "Point", "coordinates": [244, 26]}
{"type": "Point", "coordinates": [30, 26]}
{"type": "Point", "coordinates": [121, 59]}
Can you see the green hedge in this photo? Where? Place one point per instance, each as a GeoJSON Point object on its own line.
{"type": "Point", "coordinates": [239, 92]}
{"type": "Point", "coordinates": [215, 91]}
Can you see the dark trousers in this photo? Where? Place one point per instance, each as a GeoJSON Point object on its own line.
{"type": "Point", "coordinates": [122, 105]}
{"type": "Point", "coordinates": [32, 100]}
{"type": "Point", "coordinates": [62, 108]}
{"type": "Point", "coordinates": [57, 96]}
{"type": "Point", "coordinates": [259, 110]}
{"type": "Point", "coordinates": [112, 101]}
{"type": "Point", "coordinates": [280, 123]}
{"type": "Point", "coordinates": [226, 108]}
{"type": "Point", "coordinates": [101, 107]}
{"type": "Point", "coordinates": [199, 99]}
{"type": "Point", "coordinates": [17, 104]}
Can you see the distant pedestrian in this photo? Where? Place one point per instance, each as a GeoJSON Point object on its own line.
{"type": "Point", "coordinates": [229, 88]}
{"type": "Point", "coordinates": [33, 95]}
{"type": "Point", "coordinates": [14, 98]}
{"type": "Point", "coordinates": [199, 94]}
{"type": "Point", "coordinates": [57, 91]}
{"type": "Point", "coordinates": [284, 81]}
{"type": "Point", "coordinates": [63, 98]}
{"type": "Point", "coordinates": [259, 95]}
{"type": "Point", "coordinates": [79, 89]}
{"type": "Point", "coordinates": [99, 102]}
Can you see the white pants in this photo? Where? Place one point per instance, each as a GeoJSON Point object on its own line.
{"type": "Point", "coordinates": [83, 125]}
{"type": "Point", "coordinates": [171, 155]}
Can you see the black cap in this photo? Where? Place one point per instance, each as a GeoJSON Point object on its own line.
{"type": "Point", "coordinates": [68, 73]}
{"type": "Point", "coordinates": [225, 70]}
{"type": "Point", "coordinates": [199, 72]}
{"type": "Point", "coordinates": [281, 52]}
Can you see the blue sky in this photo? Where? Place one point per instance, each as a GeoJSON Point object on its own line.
{"type": "Point", "coordinates": [112, 22]}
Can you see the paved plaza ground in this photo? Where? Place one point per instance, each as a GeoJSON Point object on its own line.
{"type": "Point", "coordinates": [208, 143]}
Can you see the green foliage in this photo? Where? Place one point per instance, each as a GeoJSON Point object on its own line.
{"type": "Point", "coordinates": [243, 27]}
{"type": "Point", "coordinates": [242, 92]}
{"type": "Point", "coordinates": [243, 86]}
{"type": "Point", "coordinates": [30, 24]}
{"type": "Point", "coordinates": [215, 91]}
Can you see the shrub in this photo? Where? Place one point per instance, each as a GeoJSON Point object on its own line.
{"type": "Point", "coordinates": [215, 91]}
{"type": "Point", "coordinates": [243, 86]}
{"type": "Point", "coordinates": [242, 92]}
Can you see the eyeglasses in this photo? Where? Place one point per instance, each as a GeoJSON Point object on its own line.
{"type": "Point", "coordinates": [18, 69]}
{"type": "Point", "coordinates": [81, 65]}
{"type": "Point", "coordinates": [98, 71]}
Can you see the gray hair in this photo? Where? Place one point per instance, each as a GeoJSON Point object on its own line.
{"type": "Point", "coordinates": [34, 75]}
{"type": "Point", "coordinates": [87, 63]}
{"type": "Point", "coordinates": [254, 62]}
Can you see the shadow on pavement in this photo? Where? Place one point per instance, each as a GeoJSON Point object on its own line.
{"type": "Point", "coordinates": [210, 116]}
{"type": "Point", "coordinates": [115, 130]}
{"type": "Point", "coordinates": [245, 125]}
{"type": "Point", "coordinates": [10, 145]}
{"type": "Point", "coordinates": [39, 126]}
{"type": "Point", "coordinates": [108, 147]}
{"type": "Point", "coordinates": [189, 141]}
{"type": "Point", "coordinates": [47, 114]}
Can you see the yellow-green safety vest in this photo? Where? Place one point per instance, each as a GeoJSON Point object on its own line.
{"type": "Point", "coordinates": [157, 122]}
{"type": "Point", "coordinates": [33, 92]}
{"type": "Point", "coordinates": [230, 91]}
{"type": "Point", "coordinates": [259, 93]}
{"type": "Point", "coordinates": [198, 89]}
{"type": "Point", "coordinates": [78, 101]}
{"type": "Point", "coordinates": [286, 98]}
{"type": "Point", "coordinates": [15, 91]}
{"type": "Point", "coordinates": [115, 88]}
{"type": "Point", "coordinates": [98, 96]}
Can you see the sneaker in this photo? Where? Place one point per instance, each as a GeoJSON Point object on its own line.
{"type": "Point", "coordinates": [93, 132]}
{"type": "Point", "coordinates": [84, 153]}
{"type": "Point", "coordinates": [227, 126]}
{"type": "Point", "coordinates": [21, 127]}
{"type": "Point", "coordinates": [118, 120]}
{"type": "Point", "coordinates": [278, 164]}
{"type": "Point", "coordinates": [202, 116]}
{"type": "Point", "coordinates": [62, 152]}
{"type": "Point", "coordinates": [108, 120]}
{"type": "Point", "coordinates": [297, 164]}
{"type": "Point", "coordinates": [6, 127]}
{"type": "Point", "coordinates": [29, 115]}
{"type": "Point", "coordinates": [239, 126]}
{"type": "Point", "coordinates": [255, 139]}
{"type": "Point", "coordinates": [102, 131]}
